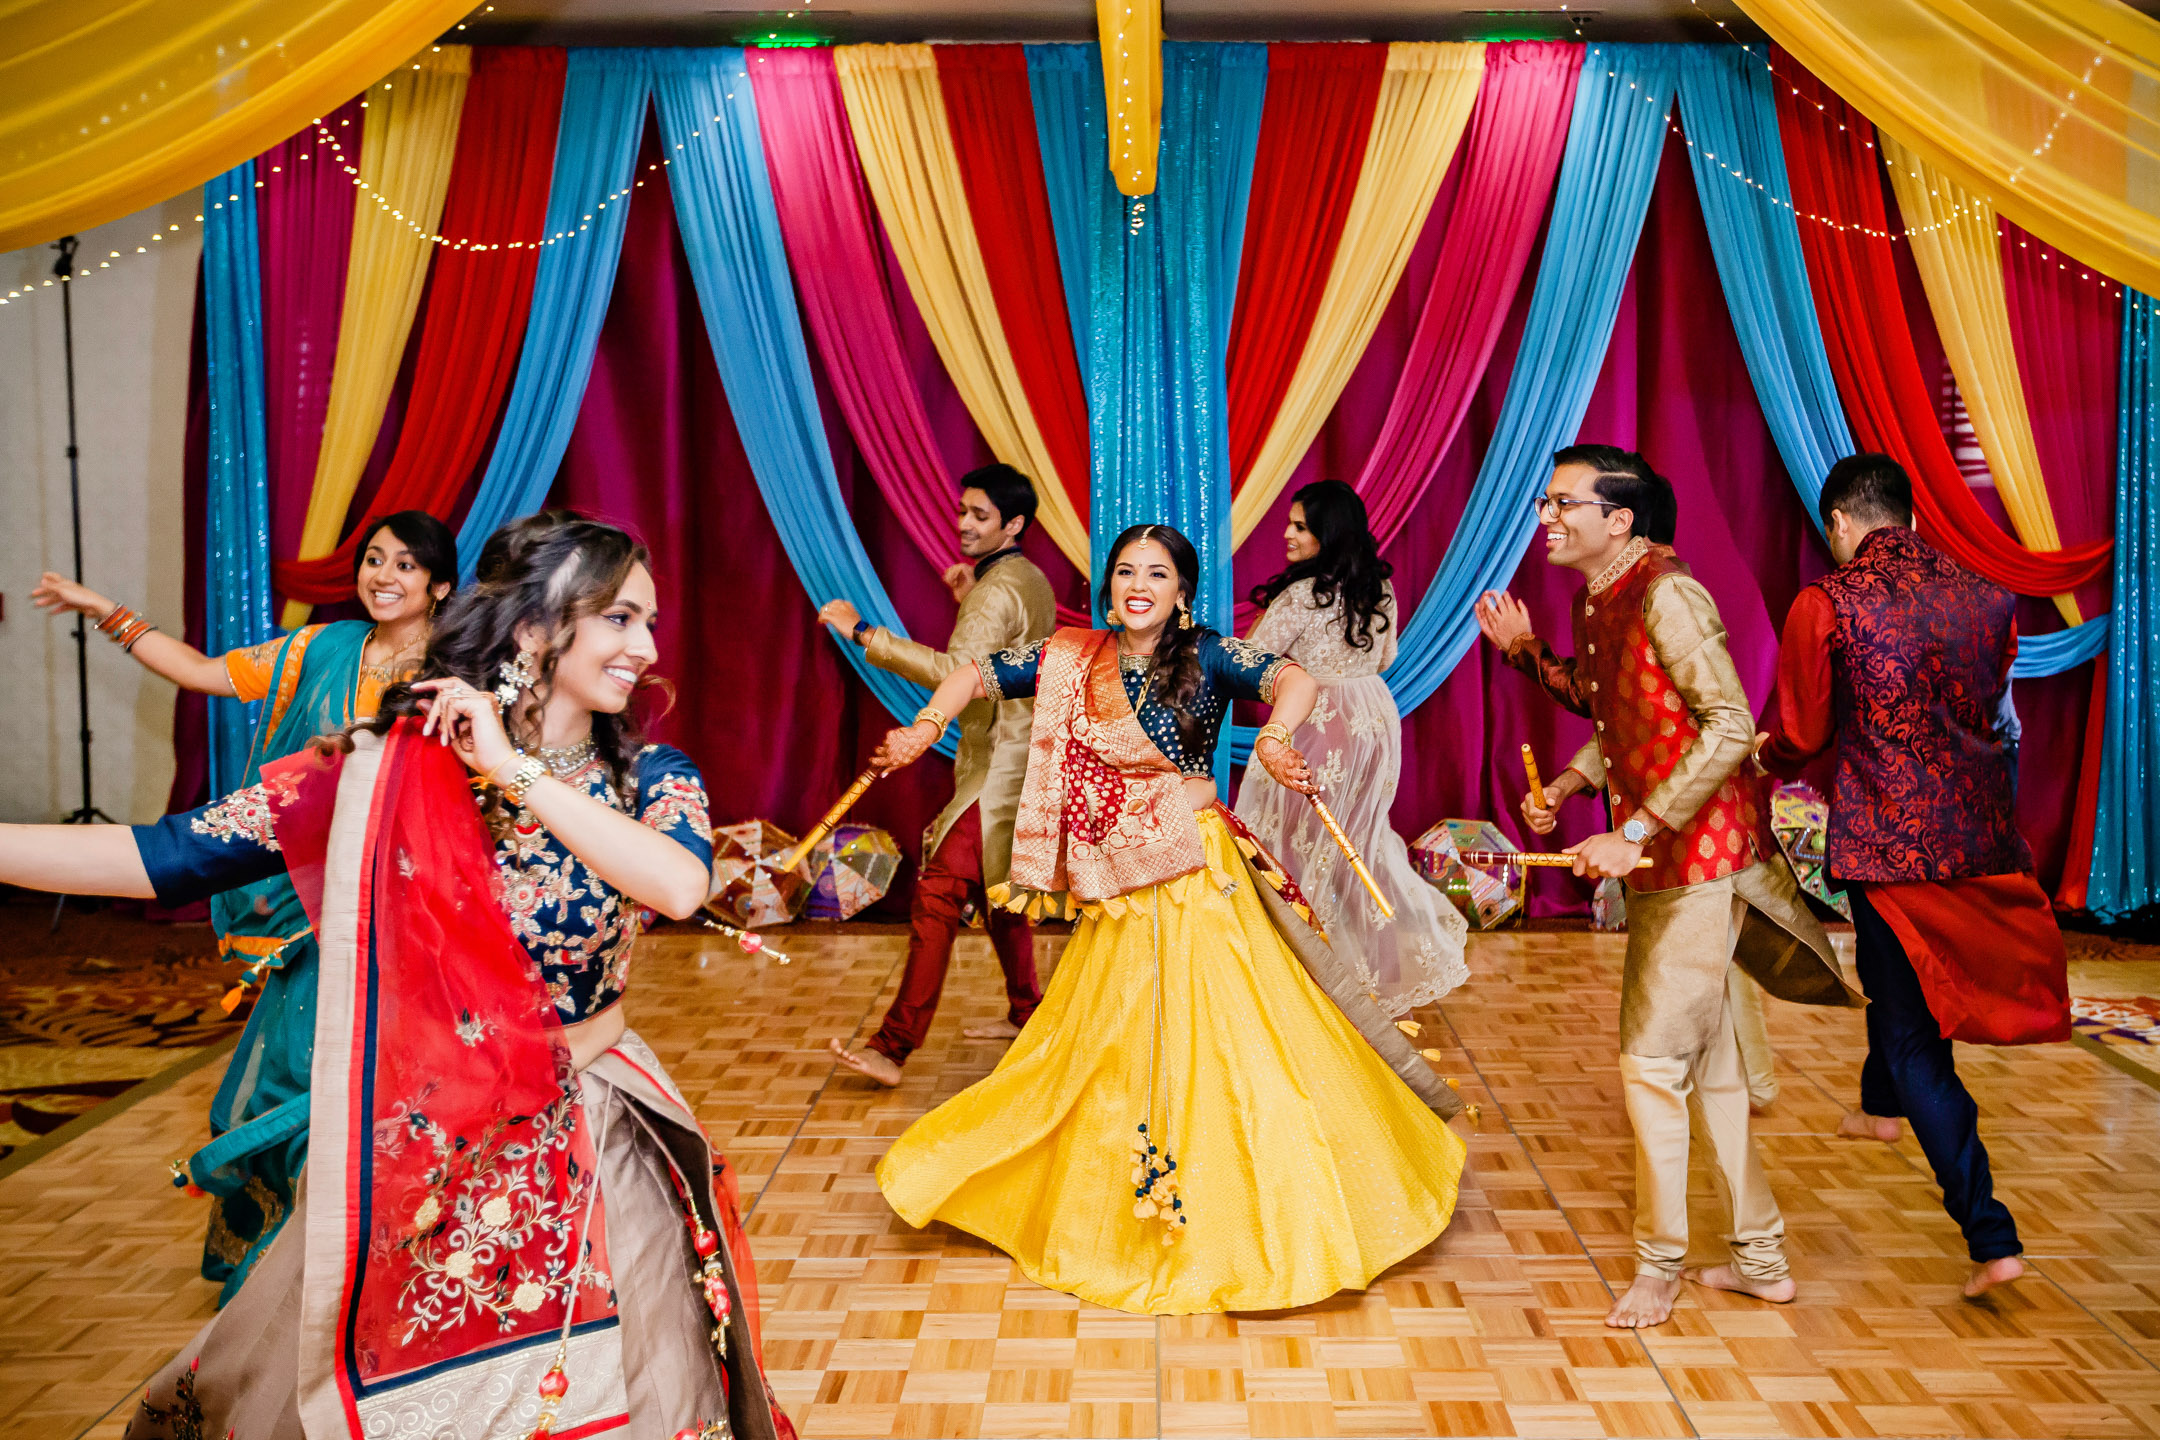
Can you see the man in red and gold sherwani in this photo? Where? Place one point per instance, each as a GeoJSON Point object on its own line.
{"type": "Point", "coordinates": [1900, 658]}
{"type": "Point", "coordinates": [1674, 732]}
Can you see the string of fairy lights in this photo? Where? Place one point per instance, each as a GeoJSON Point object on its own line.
{"type": "Point", "coordinates": [326, 139]}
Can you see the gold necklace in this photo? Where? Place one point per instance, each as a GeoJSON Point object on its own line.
{"type": "Point", "coordinates": [388, 672]}
{"type": "Point", "coordinates": [564, 760]}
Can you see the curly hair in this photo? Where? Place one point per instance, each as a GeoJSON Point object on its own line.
{"type": "Point", "coordinates": [1176, 677]}
{"type": "Point", "coordinates": [544, 572]}
{"type": "Point", "coordinates": [1348, 566]}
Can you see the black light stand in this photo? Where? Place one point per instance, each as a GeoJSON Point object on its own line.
{"type": "Point", "coordinates": [87, 813]}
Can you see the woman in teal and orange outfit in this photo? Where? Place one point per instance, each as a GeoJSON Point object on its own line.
{"type": "Point", "coordinates": [318, 679]}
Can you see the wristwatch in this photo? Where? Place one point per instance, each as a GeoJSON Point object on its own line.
{"type": "Point", "coordinates": [861, 632]}
{"type": "Point", "coordinates": [1635, 832]}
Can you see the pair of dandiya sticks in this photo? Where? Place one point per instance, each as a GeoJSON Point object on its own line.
{"type": "Point", "coordinates": [872, 774]}
{"type": "Point", "coordinates": [1529, 857]}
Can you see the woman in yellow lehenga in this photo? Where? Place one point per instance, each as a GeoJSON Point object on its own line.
{"type": "Point", "coordinates": [1203, 1115]}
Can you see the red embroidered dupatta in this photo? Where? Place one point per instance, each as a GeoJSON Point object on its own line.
{"type": "Point", "coordinates": [1103, 811]}
{"type": "Point", "coordinates": [449, 1222]}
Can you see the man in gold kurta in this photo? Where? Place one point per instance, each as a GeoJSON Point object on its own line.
{"type": "Point", "coordinates": [1673, 749]}
{"type": "Point", "coordinates": [1005, 601]}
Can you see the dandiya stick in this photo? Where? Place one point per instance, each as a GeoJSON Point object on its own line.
{"type": "Point", "coordinates": [1526, 857]}
{"type": "Point", "coordinates": [824, 826]}
{"type": "Point", "coordinates": [1537, 783]}
{"type": "Point", "coordinates": [1350, 853]}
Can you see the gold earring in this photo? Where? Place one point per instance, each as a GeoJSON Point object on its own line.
{"type": "Point", "coordinates": [1184, 614]}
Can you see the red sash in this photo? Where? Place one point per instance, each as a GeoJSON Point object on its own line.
{"type": "Point", "coordinates": [447, 1222]}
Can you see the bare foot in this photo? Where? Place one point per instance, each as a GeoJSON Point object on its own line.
{"type": "Point", "coordinates": [867, 1063]}
{"type": "Point", "coordinates": [1724, 1277]}
{"type": "Point", "coordinates": [1647, 1302]}
{"type": "Point", "coordinates": [1995, 1272]}
{"type": "Point", "coordinates": [1859, 1125]}
{"type": "Point", "coordinates": [995, 1030]}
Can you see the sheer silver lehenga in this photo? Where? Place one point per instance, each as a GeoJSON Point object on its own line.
{"type": "Point", "coordinates": [1353, 740]}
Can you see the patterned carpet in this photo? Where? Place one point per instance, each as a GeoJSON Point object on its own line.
{"type": "Point", "coordinates": [2115, 1001]}
{"type": "Point", "coordinates": [90, 1010]}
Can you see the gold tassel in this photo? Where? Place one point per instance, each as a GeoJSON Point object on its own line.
{"type": "Point", "coordinates": [1409, 1027]}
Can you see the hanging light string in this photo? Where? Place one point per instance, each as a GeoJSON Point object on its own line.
{"type": "Point", "coordinates": [2062, 113]}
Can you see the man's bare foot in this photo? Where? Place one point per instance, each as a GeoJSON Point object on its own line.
{"type": "Point", "coordinates": [1995, 1272]}
{"type": "Point", "coordinates": [1647, 1302]}
{"type": "Point", "coordinates": [867, 1063]}
{"type": "Point", "coordinates": [995, 1030]}
{"type": "Point", "coordinates": [1859, 1125]}
{"type": "Point", "coordinates": [1724, 1277]}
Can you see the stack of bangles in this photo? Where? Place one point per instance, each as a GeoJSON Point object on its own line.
{"type": "Point", "coordinates": [1273, 731]}
{"type": "Point", "coordinates": [935, 716]}
{"type": "Point", "coordinates": [125, 627]}
{"type": "Point", "coordinates": [521, 780]}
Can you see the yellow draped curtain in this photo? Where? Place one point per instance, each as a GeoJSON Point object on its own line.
{"type": "Point", "coordinates": [1131, 36]}
{"type": "Point", "coordinates": [1954, 246]}
{"type": "Point", "coordinates": [2049, 109]}
{"type": "Point", "coordinates": [107, 106]}
{"type": "Point", "coordinates": [905, 144]}
{"type": "Point", "coordinates": [1425, 100]}
{"type": "Point", "coordinates": [408, 138]}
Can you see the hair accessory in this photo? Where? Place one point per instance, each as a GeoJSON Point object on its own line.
{"type": "Point", "coordinates": [516, 675]}
{"type": "Point", "coordinates": [934, 715]}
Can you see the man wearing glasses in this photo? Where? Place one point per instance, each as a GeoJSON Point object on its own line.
{"type": "Point", "coordinates": [1710, 887]}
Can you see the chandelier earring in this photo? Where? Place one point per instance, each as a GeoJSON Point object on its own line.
{"type": "Point", "coordinates": [517, 675]}
{"type": "Point", "coordinates": [1184, 614]}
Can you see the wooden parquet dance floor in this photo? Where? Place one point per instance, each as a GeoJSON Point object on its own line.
{"type": "Point", "coordinates": [873, 1329]}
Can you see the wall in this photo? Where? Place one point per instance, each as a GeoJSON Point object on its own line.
{"type": "Point", "coordinates": [133, 327]}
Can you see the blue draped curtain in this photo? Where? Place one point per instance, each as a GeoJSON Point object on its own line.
{"type": "Point", "coordinates": [2126, 826]}
{"type": "Point", "coordinates": [731, 234]}
{"type": "Point", "coordinates": [236, 573]}
{"type": "Point", "coordinates": [1150, 283]}
{"type": "Point", "coordinates": [603, 114]}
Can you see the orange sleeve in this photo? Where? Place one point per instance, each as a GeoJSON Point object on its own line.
{"type": "Point", "coordinates": [253, 669]}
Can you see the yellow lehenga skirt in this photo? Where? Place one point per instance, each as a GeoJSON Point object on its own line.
{"type": "Point", "coordinates": [1304, 1164]}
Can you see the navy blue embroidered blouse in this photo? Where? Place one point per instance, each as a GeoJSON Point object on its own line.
{"type": "Point", "coordinates": [575, 926]}
{"type": "Point", "coordinates": [1230, 669]}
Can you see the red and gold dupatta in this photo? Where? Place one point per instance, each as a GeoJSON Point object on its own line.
{"type": "Point", "coordinates": [453, 1237]}
{"type": "Point", "coordinates": [1103, 811]}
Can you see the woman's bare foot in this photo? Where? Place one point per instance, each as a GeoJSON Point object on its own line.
{"type": "Point", "coordinates": [995, 1030]}
{"type": "Point", "coordinates": [1859, 1125]}
{"type": "Point", "coordinates": [1995, 1272]}
{"type": "Point", "coordinates": [1648, 1302]}
{"type": "Point", "coordinates": [867, 1063]}
{"type": "Point", "coordinates": [1724, 1277]}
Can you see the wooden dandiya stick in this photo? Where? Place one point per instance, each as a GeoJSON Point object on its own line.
{"type": "Point", "coordinates": [1537, 783]}
{"type": "Point", "coordinates": [1525, 857]}
{"type": "Point", "coordinates": [831, 818]}
{"type": "Point", "coordinates": [1350, 853]}
{"type": "Point", "coordinates": [751, 942]}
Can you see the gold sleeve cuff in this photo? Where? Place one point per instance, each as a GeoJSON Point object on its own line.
{"type": "Point", "coordinates": [990, 685]}
{"type": "Point", "coordinates": [1269, 676]}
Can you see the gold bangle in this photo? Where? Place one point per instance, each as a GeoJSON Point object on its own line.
{"type": "Point", "coordinates": [934, 715]}
{"type": "Point", "coordinates": [522, 780]}
{"type": "Point", "coordinates": [1274, 731]}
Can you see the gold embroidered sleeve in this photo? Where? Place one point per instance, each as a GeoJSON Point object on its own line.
{"type": "Point", "coordinates": [1689, 638]}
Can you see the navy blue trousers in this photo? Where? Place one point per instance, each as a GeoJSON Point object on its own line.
{"type": "Point", "coordinates": [1911, 1074]}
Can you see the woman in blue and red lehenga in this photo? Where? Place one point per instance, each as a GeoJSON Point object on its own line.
{"type": "Point", "coordinates": [510, 1224]}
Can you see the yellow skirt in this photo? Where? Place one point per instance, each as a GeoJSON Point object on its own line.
{"type": "Point", "coordinates": [1305, 1166]}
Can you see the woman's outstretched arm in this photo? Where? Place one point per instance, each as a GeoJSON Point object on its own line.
{"type": "Point", "coordinates": [74, 860]}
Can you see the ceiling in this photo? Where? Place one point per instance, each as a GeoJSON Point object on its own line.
{"type": "Point", "coordinates": [713, 22]}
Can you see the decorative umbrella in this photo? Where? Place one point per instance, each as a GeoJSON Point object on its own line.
{"type": "Point", "coordinates": [858, 870]}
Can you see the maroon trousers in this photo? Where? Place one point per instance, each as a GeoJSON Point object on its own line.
{"type": "Point", "coordinates": [952, 878]}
